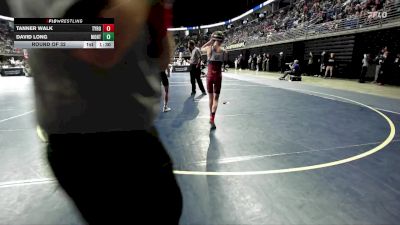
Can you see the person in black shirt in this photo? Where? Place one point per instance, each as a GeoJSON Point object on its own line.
{"type": "Point", "coordinates": [385, 68]}
{"type": "Point", "coordinates": [379, 60]}
{"type": "Point", "coordinates": [195, 70]}
{"type": "Point", "coordinates": [267, 62]}
{"type": "Point", "coordinates": [254, 62]}
{"type": "Point", "coordinates": [396, 69]}
{"type": "Point", "coordinates": [330, 65]}
{"type": "Point", "coordinates": [264, 62]}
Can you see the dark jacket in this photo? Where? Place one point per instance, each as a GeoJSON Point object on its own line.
{"type": "Point", "coordinates": [331, 61]}
{"type": "Point", "coordinates": [281, 61]}
{"type": "Point", "coordinates": [324, 59]}
{"type": "Point", "coordinates": [379, 59]}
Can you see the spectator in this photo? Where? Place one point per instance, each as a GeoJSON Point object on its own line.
{"type": "Point", "coordinates": [268, 62]}
{"type": "Point", "coordinates": [240, 61]}
{"type": "Point", "coordinates": [385, 68]}
{"type": "Point", "coordinates": [396, 69]}
{"type": "Point", "coordinates": [259, 62]}
{"type": "Point", "coordinates": [337, 8]}
{"type": "Point", "coordinates": [379, 60]}
{"type": "Point", "coordinates": [281, 62]}
{"type": "Point", "coordinates": [250, 62]}
{"type": "Point", "coordinates": [364, 67]}
{"type": "Point", "coordinates": [294, 70]}
{"type": "Point", "coordinates": [264, 62]}
{"type": "Point", "coordinates": [322, 61]}
{"type": "Point", "coordinates": [236, 63]}
{"type": "Point", "coordinates": [310, 64]}
{"type": "Point", "coordinates": [330, 65]}
{"type": "Point", "coordinates": [261, 30]}
{"type": "Point", "coordinates": [254, 62]}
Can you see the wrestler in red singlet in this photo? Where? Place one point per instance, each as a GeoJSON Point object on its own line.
{"type": "Point", "coordinates": [216, 55]}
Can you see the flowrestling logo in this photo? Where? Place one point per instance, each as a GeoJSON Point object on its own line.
{"type": "Point", "coordinates": [55, 21]}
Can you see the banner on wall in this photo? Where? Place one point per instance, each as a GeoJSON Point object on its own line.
{"type": "Point", "coordinates": [180, 69]}
{"type": "Point", "coordinates": [238, 45]}
{"type": "Point", "coordinates": [12, 71]}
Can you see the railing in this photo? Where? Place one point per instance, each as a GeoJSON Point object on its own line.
{"type": "Point", "coordinates": [388, 16]}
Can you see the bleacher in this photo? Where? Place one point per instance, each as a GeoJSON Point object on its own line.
{"type": "Point", "coordinates": [331, 25]}
{"type": "Point", "coordinates": [311, 20]}
{"type": "Point", "coordinates": [6, 39]}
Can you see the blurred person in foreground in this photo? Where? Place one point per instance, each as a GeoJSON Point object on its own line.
{"type": "Point", "coordinates": [96, 108]}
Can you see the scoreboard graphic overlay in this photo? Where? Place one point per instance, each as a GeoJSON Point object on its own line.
{"type": "Point", "coordinates": [93, 33]}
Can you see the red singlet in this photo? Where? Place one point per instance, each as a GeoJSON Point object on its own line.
{"type": "Point", "coordinates": [214, 77]}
